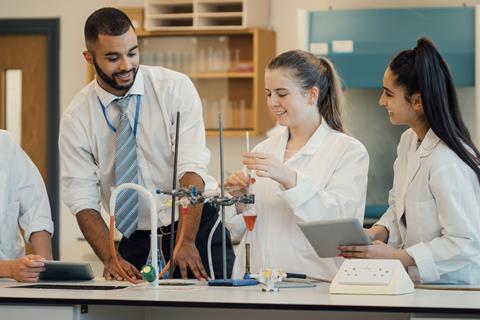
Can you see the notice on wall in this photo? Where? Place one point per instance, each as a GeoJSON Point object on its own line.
{"type": "Point", "coordinates": [342, 46]}
{"type": "Point", "coordinates": [319, 48]}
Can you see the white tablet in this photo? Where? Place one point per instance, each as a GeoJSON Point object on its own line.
{"type": "Point", "coordinates": [66, 271]}
{"type": "Point", "coordinates": [325, 236]}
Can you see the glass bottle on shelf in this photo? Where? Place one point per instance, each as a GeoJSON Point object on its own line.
{"type": "Point", "coordinates": [201, 61]}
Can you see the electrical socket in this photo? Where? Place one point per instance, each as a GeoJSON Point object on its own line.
{"type": "Point", "coordinates": [369, 272]}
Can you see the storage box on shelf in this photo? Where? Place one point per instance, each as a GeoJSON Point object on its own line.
{"type": "Point", "coordinates": [205, 14]}
{"type": "Point", "coordinates": [136, 15]}
{"type": "Point", "coordinates": [227, 68]}
{"type": "Point", "coordinates": [168, 13]}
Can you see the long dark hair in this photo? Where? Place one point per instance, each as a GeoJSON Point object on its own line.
{"type": "Point", "coordinates": [423, 70]}
{"type": "Point", "coordinates": [310, 71]}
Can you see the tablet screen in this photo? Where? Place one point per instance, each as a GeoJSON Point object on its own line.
{"type": "Point", "coordinates": [325, 236]}
{"type": "Point", "coordinates": [66, 271]}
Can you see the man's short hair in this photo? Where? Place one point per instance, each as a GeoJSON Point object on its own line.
{"type": "Point", "coordinates": [108, 21]}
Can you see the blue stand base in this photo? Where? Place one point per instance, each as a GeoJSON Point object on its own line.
{"type": "Point", "coordinates": [232, 282]}
{"type": "Point", "coordinates": [248, 276]}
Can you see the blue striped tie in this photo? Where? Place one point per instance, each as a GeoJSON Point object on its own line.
{"type": "Point", "coordinates": [126, 170]}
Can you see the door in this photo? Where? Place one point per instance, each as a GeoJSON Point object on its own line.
{"type": "Point", "coordinates": [27, 53]}
{"type": "Point", "coordinates": [30, 51]}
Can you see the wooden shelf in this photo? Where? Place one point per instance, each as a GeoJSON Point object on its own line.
{"type": "Point", "coordinates": [220, 15]}
{"type": "Point", "coordinates": [219, 1]}
{"type": "Point", "coordinates": [205, 14]}
{"type": "Point", "coordinates": [171, 16]}
{"type": "Point", "coordinates": [197, 32]}
{"type": "Point", "coordinates": [171, 2]}
{"type": "Point", "coordinates": [221, 75]}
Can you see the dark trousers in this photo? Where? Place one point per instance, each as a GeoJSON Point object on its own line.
{"type": "Point", "coordinates": [136, 248]}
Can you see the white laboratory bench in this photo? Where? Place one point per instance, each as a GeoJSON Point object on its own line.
{"type": "Point", "coordinates": [203, 302]}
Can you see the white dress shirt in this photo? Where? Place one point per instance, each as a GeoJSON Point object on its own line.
{"type": "Point", "coordinates": [23, 199]}
{"type": "Point", "coordinates": [87, 143]}
{"type": "Point", "coordinates": [332, 172]}
{"type": "Point", "coordinates": [440, 198]}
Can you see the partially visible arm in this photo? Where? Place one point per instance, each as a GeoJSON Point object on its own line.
{"type": "Point", "coordinates": [24, 269]}
{"type": "Point", "coordinates": [42, 244]}
{"type": "Point", "coordinates": [455, 200]}
{"type": "Point", "coordinates": [193, 158]}
{"type": "Point", "coordinates": [5, 267]}
{"type": "Point", "coordinates": [34, 215]}
{"type": "Point", "coordinates": [188, 255]}
{"type": "Point", "coordinates": [192, 221]}
{"type": "Point", "coordinates": [378, 232]}
{"type": "Point", "coordinates": [95, 232]}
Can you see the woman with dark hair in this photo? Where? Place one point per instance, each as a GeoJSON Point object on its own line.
{"type": "Point", "coordinates": [311, 170]}
{"type": "Point", "coordinates": [433, 221]}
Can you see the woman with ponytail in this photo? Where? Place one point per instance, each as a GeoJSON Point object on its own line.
{"type": "Point", "coordinates": [311, 170]}
{"type": "Point", "coordinates": [433, 221]}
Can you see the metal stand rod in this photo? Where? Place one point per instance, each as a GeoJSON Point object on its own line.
{"type": "Point", "coordinates": [222, 194]}
{"type": "Point", "coordinates": [247, 258]}
{"type": "Point", "coordinates": [174, 186]}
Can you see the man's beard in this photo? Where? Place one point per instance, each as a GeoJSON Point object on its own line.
{"type": "Point", "coordinates": [111, 80]}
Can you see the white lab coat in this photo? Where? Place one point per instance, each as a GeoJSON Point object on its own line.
{"type": "Point", "coordinates": [440, 197]}
{"type": "Point", "coordinates": [23, 199]}
{"type": "Point", "coordinates": [332, 172]}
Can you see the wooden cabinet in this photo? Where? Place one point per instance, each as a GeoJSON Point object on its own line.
{"type": "Point", "coordinates": [227, 68]}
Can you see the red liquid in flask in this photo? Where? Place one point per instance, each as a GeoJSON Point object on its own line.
{"type": "Point", "coordinates": [250, 221]}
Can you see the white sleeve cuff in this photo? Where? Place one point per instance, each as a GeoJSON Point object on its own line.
{"type": "Point", "coordinates": [80, 194]}
{"type": "Point", "coordinates": [194, 158]}
{"type": "Point", "coordinates": [79, 206]}
{"type": "Point", "coordinates": [301, 193]}
{"type": "Point", "coordinates": [424, 261]}
{"type": "Point", "coordinates": [39, 226]}
{"type": "Point", "coordinates": [237, 228]}
{"type": "Point", "coordinates": [202, 173]}
{"type": "Point", "coordinates": [389, 221]}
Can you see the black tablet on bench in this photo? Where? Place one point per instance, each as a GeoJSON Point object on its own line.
{"type": "Point", "coordinates": [66, 271]}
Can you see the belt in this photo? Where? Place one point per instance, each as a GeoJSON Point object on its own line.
{"type": "Point", "coordinates": [165, 230]}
